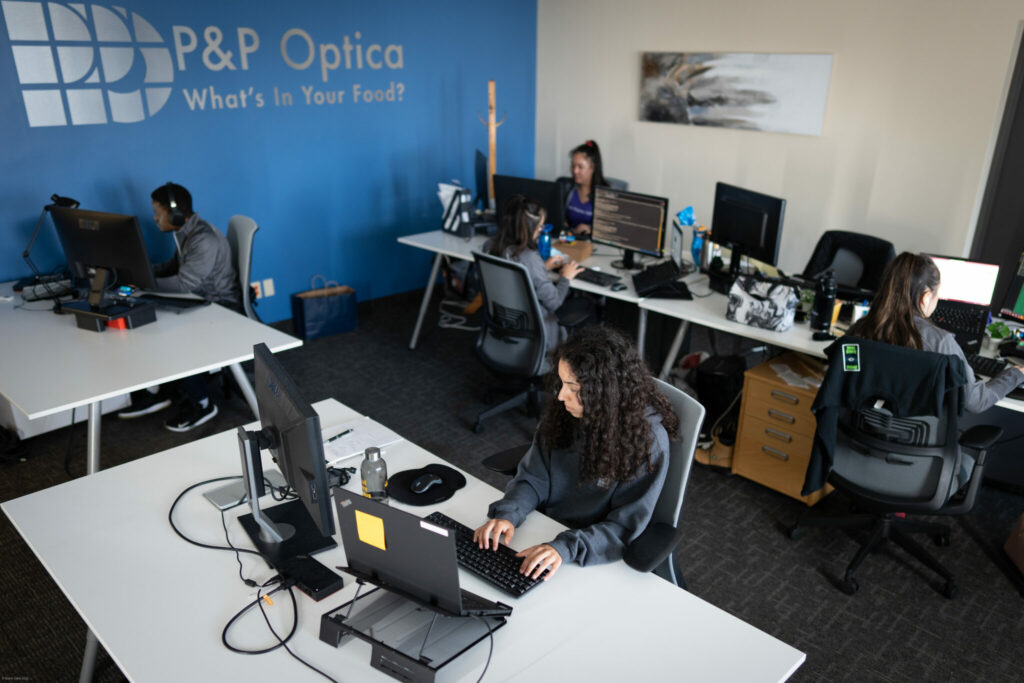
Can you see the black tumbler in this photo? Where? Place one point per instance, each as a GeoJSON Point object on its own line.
{"type": "Point", "coordinates": [824, 301]}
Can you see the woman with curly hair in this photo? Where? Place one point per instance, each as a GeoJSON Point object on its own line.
{"type": "Point", "coordinates": [598, 461]}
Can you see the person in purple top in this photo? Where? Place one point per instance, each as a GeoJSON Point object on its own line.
{"type": "Point", "coordinates": [587, 174]}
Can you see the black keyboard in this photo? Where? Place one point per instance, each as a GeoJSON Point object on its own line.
{"type": "Point", "coordinates": [983, 365]}
{"type": "Point", "coordinates": [499, 567]}
{"type": "Point", "coordinates": [597, 277]}
{"type": "Point", "coordinates": [653, 277]}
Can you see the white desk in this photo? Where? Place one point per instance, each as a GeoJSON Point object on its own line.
{"type": "Point", "coordinates": [158, 604]}
{"type": "Point", "coordinates": [445, 244]}
{"type": "Point", "coordinates": [50, 365]}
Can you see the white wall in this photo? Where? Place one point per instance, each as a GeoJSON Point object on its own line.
{"type": "Point", "coordinates": [914, 103]}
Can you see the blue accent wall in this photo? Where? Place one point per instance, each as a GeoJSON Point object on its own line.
{"type": "Point", "coordinates": [332, 185]}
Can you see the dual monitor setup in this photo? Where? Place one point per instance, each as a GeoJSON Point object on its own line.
{"type": "Point", "coordinates": [746, 222]}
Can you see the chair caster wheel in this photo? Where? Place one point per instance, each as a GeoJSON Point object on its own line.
{"type": "Point", "coordinates": [849, 585]}
{"type": "Point", "coordinates": [950, 590]}
{"type": "Point", "coordinates": [941, 539]}
{"type": "Point", "coordinates": [477, 428]}
{"type": "Point", "coordinates": [795, 532]}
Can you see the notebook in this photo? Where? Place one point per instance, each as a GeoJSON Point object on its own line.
{"type": "Point", "coordinates": [406, 555]}
{"type": "Point", "coordinates": [965, 297]}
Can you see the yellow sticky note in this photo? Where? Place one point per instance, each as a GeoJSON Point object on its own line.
{"type": "Point", "coordinates": [370, 529]}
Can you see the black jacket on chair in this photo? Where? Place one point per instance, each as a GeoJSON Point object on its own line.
{"type": "Point", "coordinates": [876, 370]}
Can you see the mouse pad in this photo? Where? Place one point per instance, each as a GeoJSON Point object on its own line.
{"type": "Point", "coordinates": [399, 483]}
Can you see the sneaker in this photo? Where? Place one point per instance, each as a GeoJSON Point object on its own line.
{"type": "Point", "coordinates": [190, 415]}
{"type": "Point", "coordinates": [144, 403]}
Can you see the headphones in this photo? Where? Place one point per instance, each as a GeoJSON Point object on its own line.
{"type": "Point", "coordinates": [177, 216]}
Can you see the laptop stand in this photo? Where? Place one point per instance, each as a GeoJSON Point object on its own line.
{"type": "Point", "coordinates": [409, 640]}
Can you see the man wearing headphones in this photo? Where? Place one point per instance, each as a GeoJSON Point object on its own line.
{"type": "Point", "coordinates": [201, 264]}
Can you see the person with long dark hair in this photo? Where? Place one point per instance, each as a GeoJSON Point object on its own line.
{"type": "Point", "coordinates": [522, 220]}
{"type": "Point", "coordinates": [587, 173]}
{"type": "Point", "coordinates": [598, 460]}
{"type": "Point", "coordinates": [899, 314]}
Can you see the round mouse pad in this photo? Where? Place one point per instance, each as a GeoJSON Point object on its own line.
{"type": "Point", "coordinates": [400, 482]}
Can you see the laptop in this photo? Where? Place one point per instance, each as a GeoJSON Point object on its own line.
{"type": "Point", "coordinates": [965, 298]}
{"type": "Point", "coordinates": [406, 555]}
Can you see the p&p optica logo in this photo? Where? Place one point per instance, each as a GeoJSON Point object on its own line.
{"type": "Point", "coordinates": [84, 64]}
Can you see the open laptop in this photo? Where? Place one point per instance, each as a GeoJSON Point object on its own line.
{"type": "Point", "coordinates": [406, 555]}
{"type": "Point", "coordinates": [965, 298]}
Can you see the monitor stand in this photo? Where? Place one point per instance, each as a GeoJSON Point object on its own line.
{"type": "Point", "coordinates": [300, 536]}
{"type": "Point", "coordinates": [627, 262]}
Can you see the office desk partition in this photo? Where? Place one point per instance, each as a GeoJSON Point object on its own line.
{"type": "Point", "coordinates": [49, 365]}
{"type": "Point", "coordinates": [158, 605]}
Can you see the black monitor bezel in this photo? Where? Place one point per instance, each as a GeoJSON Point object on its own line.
{"type": "Point", "coordinates": [621, 245]}
{"type": "Point", "coordinates": [773, 207]}
{"type": "Point", "coordinates": [1005, 310]}
{"type": "Point", "coordinates": [547, 193]}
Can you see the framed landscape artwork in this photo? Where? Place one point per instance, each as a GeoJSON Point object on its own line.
{"type": "Point", "coordinates": [782, 93]}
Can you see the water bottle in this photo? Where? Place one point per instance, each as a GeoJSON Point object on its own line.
{"type": "Point", "coordinates": [374, 473]}
{"type": "Point", "coordinates": [544, 243]}
{"type": "Point", "coordinates": [824, 302]}
{"type": "Point", "coordinates": [697, 246]}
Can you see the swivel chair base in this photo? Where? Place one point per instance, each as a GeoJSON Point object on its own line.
{"type": "Point", "coordinates": [530, 398]}
{"type": "Point", "coordinates": [881, 528]}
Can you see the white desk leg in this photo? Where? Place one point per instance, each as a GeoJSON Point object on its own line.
{"type": "Point", "coordinates": [89, 658]}
{"type": "Point", "coordinates": [426, 300]}
{"type": "Point", "coordinates": [673, 351]}
{"type": "Point", "coordinates": [92, 449]}
{"type": "Point", "coordinates": [246, 388]}
{"type": "Point", "coordinates": [641, 331]}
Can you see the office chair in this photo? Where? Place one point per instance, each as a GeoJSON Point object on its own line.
{"type": "Point", "coordinates": [512, 340]}
{"type": "Point", "coordinates": [890, 465]}
{"type": "Point", "coordinates": [858, 260]}
{"type": "Point", "coordinates": [653, 550]}
{"type": "Point", "coordinates": [241, 231]}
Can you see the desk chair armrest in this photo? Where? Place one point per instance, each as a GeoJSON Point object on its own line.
{"type": "Point", "coordinates": [981, 437]}
{"type": "Point", "coordinates": [506, 461]}
{"type": "Point", "coordinates": [652, 546]}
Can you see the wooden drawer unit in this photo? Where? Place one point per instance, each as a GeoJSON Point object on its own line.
{"type": "Point", "coordinates": [776, 427]}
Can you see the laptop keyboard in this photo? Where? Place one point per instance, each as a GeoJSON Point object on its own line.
{"type": "Point", "coordinates": [655, 276]}
{"type": "Point", "coordinates": [597, 277]}
{"type": "Point", "coordinates": [983, 365]}
{"type": "Point", "coordinates": [500, 567]}
{"type": "Point", "coordinates": [968, 322]}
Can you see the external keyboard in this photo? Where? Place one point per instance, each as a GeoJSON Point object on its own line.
{"type": "Point", "coordinates": [983, 365]}
{"type": "Point", "coordinates": [499, 567]}
{"type": "Point", "coordinates": [597, 277]}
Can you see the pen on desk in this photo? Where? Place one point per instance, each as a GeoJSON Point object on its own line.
{"type": "Point", "coordinates": [338, 436]}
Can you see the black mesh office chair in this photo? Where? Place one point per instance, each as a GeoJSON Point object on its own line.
{"type": "Point", "coordinates": [892, 465]}
{"type": "Point", "coordinates": [512, 341]}
{"type": "Point", "coordinates": [654, 549]}
{"type": "Point", "coordinates": [858, 260]}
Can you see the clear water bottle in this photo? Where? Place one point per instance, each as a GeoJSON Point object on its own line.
{"type": "Point", "coordinates": [374, 473]}
{"type": "Point", "coordinates": [544, 243]}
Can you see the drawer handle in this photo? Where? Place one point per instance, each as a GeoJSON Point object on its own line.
{"type": "Point", "coordinates": [776, 434]}
{"type": "Point", "coordinates": [788, 398]}
{"type": "Point", "coordinates": [779, 415]}
{"type": "Point", "coordinates": [775, 453]}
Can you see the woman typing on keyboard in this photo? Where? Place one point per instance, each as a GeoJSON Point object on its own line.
{"type": "Point", "coordinates": [598, 460]}
{"type": "Point", "coordinates": [522, 220]}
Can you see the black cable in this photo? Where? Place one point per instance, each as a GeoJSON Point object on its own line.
{"type": "Point", "coordinates": [490, 651]}
{"type": "Point", "coordinates": [67, 454]}
{"type": "Point", "coordinates": [238, 556]}
{"type": "Point", "coordinates": [238, 615]}
{"type": "Point", "coordinates": [284, 643]}
{"type": "Point", "coordinates": [170, 520]}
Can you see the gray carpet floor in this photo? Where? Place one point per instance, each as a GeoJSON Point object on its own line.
{"type": "Point", "coordinates": [734, 553]}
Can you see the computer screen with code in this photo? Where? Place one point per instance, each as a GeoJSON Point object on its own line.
{"type": "Point", "coordinates": [630, 221]}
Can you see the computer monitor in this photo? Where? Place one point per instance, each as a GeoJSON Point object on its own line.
{"type": "Point", "coordinates": [105, 248]}
{"type": "Point", "coordinates": [631, 221]}
{"type": "Point", "coordinates": [547, 193]}
{"type": "Point", "coordinates": [1013, 301]}
{"type": "Point", "coordinates": [291, 432]}
{"type": "Point", "coordinates": [748, 223]}
{"type": "Point", "coordinates": [969, 282]}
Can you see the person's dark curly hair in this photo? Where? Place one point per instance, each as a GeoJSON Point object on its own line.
{"type": "Point", "coordinates": [613, 436]}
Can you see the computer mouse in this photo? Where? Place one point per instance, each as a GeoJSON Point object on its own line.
{"type": "Point", "coordinates": [422, 483]}
{"type": "Point", "coordinates": [618, 287]}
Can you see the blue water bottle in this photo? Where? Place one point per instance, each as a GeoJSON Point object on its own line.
{"type": "Point", "coordinates": [696, 246]}
{"type": "Point", "coordinates": [544, 243]}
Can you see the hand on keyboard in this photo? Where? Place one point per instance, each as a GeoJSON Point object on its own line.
{"type": "Point", "coordinates": [489, 535]}
{"type": "Point", "coordinates": [570, 270]}
{"type": "Point", "coordinates": [538, 559]}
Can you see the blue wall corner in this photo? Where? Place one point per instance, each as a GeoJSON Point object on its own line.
{"type": "Point", "coordinates": [332, 184]}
